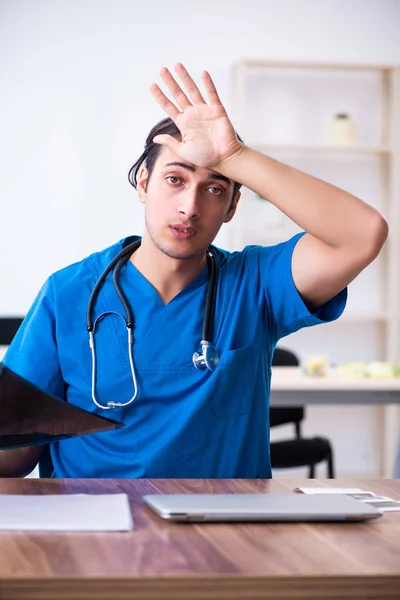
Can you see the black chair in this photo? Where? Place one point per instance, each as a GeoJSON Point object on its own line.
{"type": "Point", "coordinates": [8, 328]}
{"type": "Point", "coordinates": [299, 451]}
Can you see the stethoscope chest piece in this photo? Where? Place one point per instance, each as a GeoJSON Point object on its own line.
{"type": "Point", "coordinates": [208, 357]}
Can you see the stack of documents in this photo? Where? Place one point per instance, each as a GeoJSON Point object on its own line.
{"type": "Point", "coordinates": [65, 512]}
{"type": "Point", "coordinates": [382, 503]}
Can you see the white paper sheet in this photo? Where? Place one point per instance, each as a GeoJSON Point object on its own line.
{"type": "Point", "coordinates": [382, 503]}
{"type": "Point", "coordinates": [65, 512]}
{"type": "Point", "coordinates": [325, 490]}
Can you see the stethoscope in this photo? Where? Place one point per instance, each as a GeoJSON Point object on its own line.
{"type": "Point", "coordinates": [206, 359]}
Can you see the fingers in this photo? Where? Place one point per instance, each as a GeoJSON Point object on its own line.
{"type": "Point", "coordinates": [164, 102]}
{"type": "Point", "coordinates": [179, 95]}
{"type": "Point", "coordinates": [175, 89]}
{"type": "Point", "coordinates": [211, 90]}
{"type": "Point", "coordinates": [189, 85]}
{"type": "Point", "coordinates": [167, 140]}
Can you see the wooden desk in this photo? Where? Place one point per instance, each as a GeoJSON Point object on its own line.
{"type": "Point", "coordinates": [291, 387]}
{"type": "Point", "coordinates": [290, 384]}
{"type": "Point", "coordinates": [160, 559]}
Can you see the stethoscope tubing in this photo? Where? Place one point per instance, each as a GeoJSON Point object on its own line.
{"type": "Point", "coordinates": [200, 361]}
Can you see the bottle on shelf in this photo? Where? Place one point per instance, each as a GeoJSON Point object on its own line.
{"type": "Point", "coordinates": [342, 131]}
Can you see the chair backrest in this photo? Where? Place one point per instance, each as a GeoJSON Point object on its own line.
{"type": "Point", "coordinates": [291, 414]}
{"type": "Point", "coordinates": [8, 328]}
{"type": "Point", "coordinates": [284, 358]}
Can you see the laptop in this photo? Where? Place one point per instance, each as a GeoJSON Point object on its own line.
{"type": "Point", "coordinates": [259, 507]}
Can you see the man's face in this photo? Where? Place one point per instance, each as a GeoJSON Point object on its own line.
{"type": "Point", "coordinates": [185, 206]}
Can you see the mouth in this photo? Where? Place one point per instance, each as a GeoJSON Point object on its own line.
{"type": "Point", "coordinates": [182, 232]}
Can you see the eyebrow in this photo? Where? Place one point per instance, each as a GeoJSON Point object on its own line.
{"type": "Point", "coordinates": [193, 170]}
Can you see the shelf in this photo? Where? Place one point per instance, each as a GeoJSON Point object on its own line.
{"type": "Point", "coordinates": [312, 148]}
{"type": "Point", "coordinates": [265, 64]}
{"type": "Point", "coordinates": [284, 110]}
{"type": "Point", "coordinates": [360, 317]}
{"type": "Point", "coordinates": [269, 235]}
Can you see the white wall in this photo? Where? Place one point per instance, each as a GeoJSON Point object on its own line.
{"type": "Point", "coordinates": [75, 109]}
{"type": "Point", "coordinates": [75, 106]}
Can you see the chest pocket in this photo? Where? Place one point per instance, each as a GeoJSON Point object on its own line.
{"type": "Point", "coordinates": [234, 389]}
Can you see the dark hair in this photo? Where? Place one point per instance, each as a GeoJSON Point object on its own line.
{"type": "Point", "coordinates": [152, 151]}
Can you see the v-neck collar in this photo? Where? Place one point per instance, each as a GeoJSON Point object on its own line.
{"type": "Point", "coordinates": [144, 286]}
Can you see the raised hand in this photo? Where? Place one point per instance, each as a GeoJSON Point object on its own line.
{"type": "Point", "coordinates": [208, 137]}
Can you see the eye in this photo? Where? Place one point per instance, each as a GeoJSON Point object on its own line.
{"type": "Point", "coordinates": [173, 180]}
{"type": "Point", "coordinates": [216, 191]}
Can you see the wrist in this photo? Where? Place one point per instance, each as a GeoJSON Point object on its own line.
{"type": "Point", "coordinates": [228, 165]}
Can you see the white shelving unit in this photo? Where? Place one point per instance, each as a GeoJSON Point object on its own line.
{"type": "Point", "coordinates": [285, 110]}
{"type": "Point", "coordinates": [310, 148]}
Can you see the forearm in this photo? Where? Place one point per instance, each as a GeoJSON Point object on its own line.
{"type": "Point", "coordinates": [330, 214]}
{"type": "Point", "coordinates": [19, 462]}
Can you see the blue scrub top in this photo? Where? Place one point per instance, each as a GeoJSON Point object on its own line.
{"type": "Point", "coordinates": [184, 422]}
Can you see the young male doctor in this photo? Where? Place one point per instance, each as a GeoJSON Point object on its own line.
{"type": "Point", "coordinates": [186, 421]}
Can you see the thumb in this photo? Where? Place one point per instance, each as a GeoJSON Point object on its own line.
{"type": "Point", "coordinates": [167, 140]}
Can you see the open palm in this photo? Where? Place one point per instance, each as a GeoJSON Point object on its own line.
{"type": "Point", "coordinates": [208, 137]}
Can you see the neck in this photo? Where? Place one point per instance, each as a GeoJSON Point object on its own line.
{"type": "Point", "coordinates": [167, 275]}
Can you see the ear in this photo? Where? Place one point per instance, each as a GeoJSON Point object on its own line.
{"type": "Point", "coordinates": [232, 209]}
{"type": "Point", "coordinates": [142, 184]}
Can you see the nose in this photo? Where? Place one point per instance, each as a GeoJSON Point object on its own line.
{"type": "Point", "coordinates": [189, 203]}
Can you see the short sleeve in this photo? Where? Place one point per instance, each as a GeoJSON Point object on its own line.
{"type": "Point", "coordinates": [33, 353]}
{"type": "Point", "coordinates": [285, 311]}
